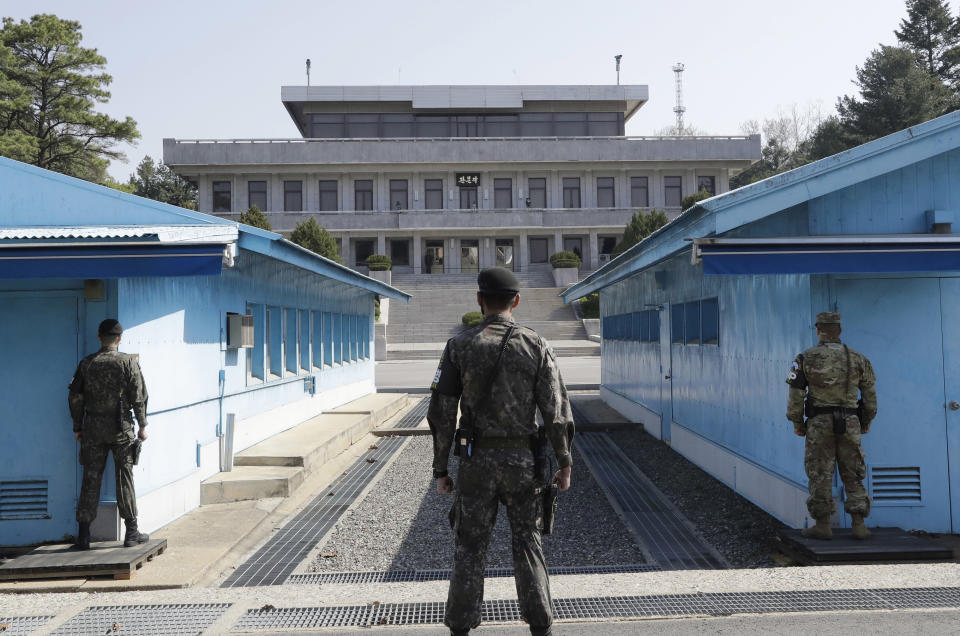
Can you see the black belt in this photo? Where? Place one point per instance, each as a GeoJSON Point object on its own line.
{"type": "Point", "coordinates": [503, 442]}
{"type": "Point", "coordinates": [103, 413]}
{"type": "Point", "coordinates": [842, 411]}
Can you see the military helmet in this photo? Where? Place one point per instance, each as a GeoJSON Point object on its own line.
{"type": "Point", "coordinates": [498, 281]}
{"type": "Point", "coordinates": [110, 327]}
{"type": "Point", "coordinates": [828, 318]}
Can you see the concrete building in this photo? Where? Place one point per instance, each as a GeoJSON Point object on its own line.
{"type": "Point", "coordinates": [451, 179]}
{"type": "Point", "coordinates": [73, 253]}
{"type": "Point", "coordinates": [702, 319]}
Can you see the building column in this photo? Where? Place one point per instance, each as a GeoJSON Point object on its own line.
{"type": "Point", "coordinates": [554, 190]}
{"type": "Point", "coordinates": [347, 201]}
{"type": "Point", "coordinates": [451, 256]}
{"type": "Point", "coordinates": [656, 190]}
{"type": "Point", "coordinates": [346, 250]}
{"type": "Point", "coordinates": [276, 193]}
{"type": "Point", "coordinates": [381, 243]}
{"type": "Point", "coordinates": [623, 192]}
{"type": "Point", "coordinates": [588, 190]}
{"type": "Point", "coordinates": [522, 254]}
{"type": "Point", "coordinates": [593, 251]}
{"type": "Point", "coordinates": [723, 181]}
{"type": "Point", "coordinates": [689, 182]}
{"type": "Point", "coordinates": [417, 253]}
{"type": "Point", "coordinates": [557, 242]}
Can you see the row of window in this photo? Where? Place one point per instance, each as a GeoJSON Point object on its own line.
{"type": "Point", "coordinates": [433, 193]}
{"type": "Point", "coordinates": [397, 125]}
{"type": "Point", "coordinates": [290, 341]}
{"type": "Point", "coordinates": [694, 322]}
{"type": "Point", "coordinates": [642, 326]}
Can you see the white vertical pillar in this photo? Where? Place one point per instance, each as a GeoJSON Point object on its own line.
{"type": "Point", "coordinates": [417, 253]}
{"type": "Point", "coordinates": [522, 253]}
{"type": "Point", "coordinates": [656, 189]}
{"type": "Point", "coordinates": [557, 241]}
{"type": "Point", "coordinates": [593, 251]}
{"type": "Point", "coordinates": [381, 243]}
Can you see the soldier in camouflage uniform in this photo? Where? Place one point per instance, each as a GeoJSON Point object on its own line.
{"type": "Point", "coordinates": [105, 388]}
{"type": "Point", "coordinates": [499, 466]}
{"type": "Point", "coordinates": [829, 376]}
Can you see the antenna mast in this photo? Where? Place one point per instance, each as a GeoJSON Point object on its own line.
{"type": "Point", "coordinates": [308, 71]}
{"type": "Point", "coordinates": [679, 109]}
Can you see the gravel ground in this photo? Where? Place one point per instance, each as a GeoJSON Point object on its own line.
{"type": "Point", "coordinates": [402, 524]}
{"type": "Point", "coordinates": [743, 533]}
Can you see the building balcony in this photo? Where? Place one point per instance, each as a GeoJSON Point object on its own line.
{"type": "Point", "coordinates": [474, 219]}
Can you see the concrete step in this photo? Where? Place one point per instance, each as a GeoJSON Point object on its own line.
{"type": "Point", "coordinates": [278, 465]}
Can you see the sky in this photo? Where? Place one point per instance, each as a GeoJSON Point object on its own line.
{"type": "Point", "coordinates": [213, 69]}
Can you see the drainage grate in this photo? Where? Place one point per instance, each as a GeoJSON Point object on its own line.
{"type": "Point", "coordinates": [416, 576]}
{"type": "Point", "coordinates": [414, 416]}
{"type": "Point", "coordinates": [19, 625]}
{"type": "Point", "coordinates": [144, 619]}
{"type": "Point", "coordinates": [614, 607]}
{"type": "Point", "coordinates": [280, 556]}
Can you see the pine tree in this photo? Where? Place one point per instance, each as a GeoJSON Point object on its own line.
{"type": "Point", "coordinates": [256, 218]}
{"type": "Point", "coordinates": [640, 227]}
{"type": "Point", "coordinates": [160, 183]}
{"type": "Point", "coordinates": [933, 35]}
{"type": "Point", "coordinates": [311, 235]}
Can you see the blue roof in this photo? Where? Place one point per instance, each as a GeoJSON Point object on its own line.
{"type": "Point", "coordinates": [722, 213]}
{"type": "Point", "coordinates": [31, 197]}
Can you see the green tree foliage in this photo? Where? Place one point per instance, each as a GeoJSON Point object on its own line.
{"type": "Point", "coordinates": [640, 227]}
{"type": "Point", "coordinates": [590, 305]}
{"type": "Point", "coordinates": [692, 199]}
{"type": "Point", "coordinates": [254, 217]}
{"type": "Point", "coordinates": [49, 87]}
{"type": "Point", "coordinates": [934, 36]}
{"type": "Point", "coordinates": [311, 235]}
{"type": "Point", "coordinates": [160, 183]}
{"type": "Point", "coordinates": [379, 263]}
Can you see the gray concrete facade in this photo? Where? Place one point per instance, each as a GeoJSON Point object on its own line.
{"type": "Point", "coordinates": [590, 183]}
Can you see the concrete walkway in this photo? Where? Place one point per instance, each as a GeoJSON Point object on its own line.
{"type": "Point", "coordinates": [577, 372]}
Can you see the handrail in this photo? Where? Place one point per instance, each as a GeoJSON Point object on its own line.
{"type": "Point", "coordinates": [462, 139]}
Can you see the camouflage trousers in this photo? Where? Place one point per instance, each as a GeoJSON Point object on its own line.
{"type": "Point", "coordinates": [824, 452]}
{"type": "Point", "coordinates": [485, 480]}
{"type": "Point", "coordinates": [93, 457]}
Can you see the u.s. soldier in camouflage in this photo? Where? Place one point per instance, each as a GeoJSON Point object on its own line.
{"type": "Point", "coordinates": [500, 465]}
{"type": "Point", "coordinates": [106, 387]}
{"type": "Point", "coordinates": [829, 376]}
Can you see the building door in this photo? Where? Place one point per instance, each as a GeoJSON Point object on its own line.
{"type": "Point", "coordinates": [505, 253]}
{"type": "Point", "coordinates": [469, 256]}
{"type": "Point", "coordinates": [433, 258]}
{"type": "Point", "coordinates": [666, 373]}
{"type": "Point", "coordinates": [468, 198]}
{"type": "Point", "coordinates": [38, 454]}
{"type": "Point", "coordinates": [950, 309]}
{"type": "Point", "coordinates": [574, 245]}
{"type": "Point", "coordinates": [898, 324]}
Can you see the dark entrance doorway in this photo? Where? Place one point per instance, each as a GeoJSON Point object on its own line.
{"type": "Point", "coordinates": [433, 258]}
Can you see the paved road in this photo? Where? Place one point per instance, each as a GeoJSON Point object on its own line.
{"type": "Point", "coordinates": [875, 623]}
{"type": "Point", "coordinates": [419, 373]}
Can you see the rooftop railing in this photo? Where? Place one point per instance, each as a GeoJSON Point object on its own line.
{"type": "Point", "coordinates": [463, 139]}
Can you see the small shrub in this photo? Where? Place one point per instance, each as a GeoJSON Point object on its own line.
{"type": "Point", "coordinates": [256, 218]}
{"type": "Point", "coordinates": [379, 263]}
{"type": "Point", "coordinates": [692, 199]}
{"type": "Point", "coordinates": [472, 319]}
{"type": "Point", "coordinates": [376, 309]}
{"type": "Point", "coordinates": [564, 259]}
{"type": "Point", "coordinates": [591, 305]}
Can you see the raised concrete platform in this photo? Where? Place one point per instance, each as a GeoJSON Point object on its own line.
{"type": "Point", "coordinates": [251, 482]}
{"type": "Point", "coordinates": [107, 558]}
{"type": "Point", "coordinates": [885, 545]}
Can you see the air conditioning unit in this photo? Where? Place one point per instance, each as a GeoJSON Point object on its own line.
{"type": "Point", "coordinates": [239, 331]}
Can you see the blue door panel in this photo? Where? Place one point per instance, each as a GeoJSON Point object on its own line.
{"type": "Point", "coordinates": [950, 304]}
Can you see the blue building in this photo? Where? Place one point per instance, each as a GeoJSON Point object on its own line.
{"type": "Point", "coordinates": [73, 253]}
{"type": "Point", "coordinates": [702, 319]}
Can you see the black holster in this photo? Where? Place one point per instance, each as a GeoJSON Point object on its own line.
{"type": "Point", "coordinates": [540, 445]}
{"type": "Point", "coordinates": [549, 507]}
{"type": "Point", "coordinates": [463, 440]}
{"type": "Point", "coordinates": [135, 449]}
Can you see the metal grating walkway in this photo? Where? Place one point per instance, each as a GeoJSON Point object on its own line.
{"type": "Point", "coordinates": [614, 607]}
{"type": "Point", "coordinates": [415, 576]}
{"type": "Point", "coordinates": [144, 619]}
{"type": "Point", "coordinates": [279, 557]}
{"type": "Point", "coordinates": [668, 537]}
{"type": "Point", "coordinates": [19, 625]}
{"type": "Point", "coordinates": [413, 417]}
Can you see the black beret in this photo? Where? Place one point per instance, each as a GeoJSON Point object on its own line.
{"type": "Point", "coordinates": [110, 327]}
{"type": "Point", "coordinates": [498, 280]}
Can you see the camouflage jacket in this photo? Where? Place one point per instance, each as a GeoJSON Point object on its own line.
{"type": "Point", "coordinates": [106, 387]}
{"type": "Point", "coordinates": [528, 379]}
{"type": "Point", "coordinates": [822, 371]}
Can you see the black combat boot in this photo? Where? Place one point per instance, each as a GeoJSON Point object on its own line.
{"type": "Point", "coordinates": [541, 631]}
{"type": "Point", "coordinates": [133, 536]}
{"type": "Point", "coordinates": [83, 537]}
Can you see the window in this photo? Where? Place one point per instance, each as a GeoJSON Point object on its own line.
{"type": "Point", "coordinates": [605, 194]}
{"type": "Point", "coordinates": [466, 126]}
{"type": "Point", "coordinates": [571, 192]}
{"type": "Point", "coordinates": [338, 338]}
{"type": "Point", "coordinates": [433, 194]}
{"type": "Point", "coordinates": [538, 250]}
{"type": "Point", "coordinates": [327, 338]}
{"type": "Point", "coordinates": [672, 191]}
{"type": "Point", "coordinates": [363, 194]}
{"type": "Point", "coordinates": [304, 339]}
{"type": "Point", "coordinates": [329, 126]}
{"type": "Point", "coordinates": [292, 196]}
{"type": "Point", "coordinates": [536, 124]}
{"type": "Point", "coordinates": [433, 126]}
{"type": "Point", "coordinates": [275, 341]}
{"type": "Point", "coordinates": [707, 183]}
{"type": "Point", "coordinates": [363, 125]}
{"type": "Point", "coordinates": [501, 126]}
{"type": "Point", "coordinates": [570, 124]}
{"type": "Point", "coordinates": [328, 195]}
{"type": "Point", "coordinates": [639, 193]}
{"type": "Point", "coordinates": [654, 325]}
{"type": "Point", "coordinates": [503, 193]}
{"type": "Point", "coordinates": [290, 340]}
{"type": "Point", "coordinates": [710, 321]}
{"type": "Point", "coordinates": [362, 248]}
{"type": "Point", "coordinates": [644, 333]}
{"type": "Point", "coordinates": [604, 124]}
{"type": "Point", "coordinates": [255, 356]}
{"type": "Point", "coordinates": [468, 198]}
{"type": "Point", "coordinates": [221, 196]}
{"type": "Point", "coordinates": [398, 194]}
{"type": "Point", "coordinates": [400, 252]}
{"type": "Point", "coordinates": [397, 125]}
{"type": "Point", "coordinates": [691, 323]}
{"type": "Point", "coordinates": [676, 324]}
{"type": "Point", "coordinates": [537, 192]}
{"type": "Point", "coordinates": [257, 194]}
{"type": "Point", "coordinates": [317, 339]}
{"type": "Point", "coordinates": [606, 244]}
